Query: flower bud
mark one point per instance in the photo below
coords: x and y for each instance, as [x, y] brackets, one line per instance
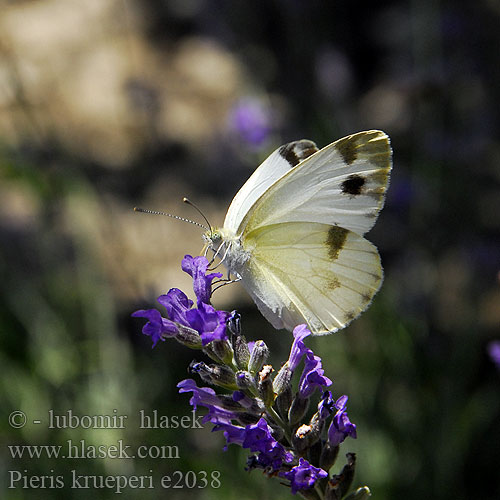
[258, 356]
[305, 437]
[251, 404]
[360, 494]
[223, 376]
[228, 403]
[339, 484]
[278, 433]
[314, 452]
[202, 369]
[214, 374]
[244, 381]
[233, 323]
[317, 422]
[283, 402]
[328, 456]
[282, 381]
[265, 385]
[188, 337]
[223, 350]
[241, 352]
[298, 409]
[246, 418]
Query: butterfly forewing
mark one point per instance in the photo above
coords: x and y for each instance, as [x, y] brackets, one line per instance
[273, 168]
[343, 184]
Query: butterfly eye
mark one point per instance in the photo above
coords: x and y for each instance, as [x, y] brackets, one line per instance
[216, 237]
[212, 238]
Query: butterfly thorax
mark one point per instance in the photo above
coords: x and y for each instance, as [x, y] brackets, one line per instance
[226, 244]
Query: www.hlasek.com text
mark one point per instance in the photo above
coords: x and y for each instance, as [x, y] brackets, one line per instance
[78, 449]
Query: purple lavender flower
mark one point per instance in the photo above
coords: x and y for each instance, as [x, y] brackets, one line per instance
[298, 348]
[303, 476]
[233, 433]
[259, 438]
[177, 305]
[494, 352]
[205, 319]
[313, 376]
[205, 396]
[341, 426]
[274, 458]
[157, 327]
[251, 120]
[256, 437]
[208, 322]
[326, 405]
[197, 267]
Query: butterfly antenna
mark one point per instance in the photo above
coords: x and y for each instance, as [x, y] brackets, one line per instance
[189, 202]
[155, 212]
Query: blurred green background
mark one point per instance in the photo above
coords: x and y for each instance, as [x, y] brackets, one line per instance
[108, 104]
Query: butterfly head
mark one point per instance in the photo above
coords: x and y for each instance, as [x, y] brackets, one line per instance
[213, 238]
[226, 246]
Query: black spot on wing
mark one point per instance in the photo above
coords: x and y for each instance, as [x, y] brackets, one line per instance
[297, 151]
[336, 240]
[347, 147]
[353, 184]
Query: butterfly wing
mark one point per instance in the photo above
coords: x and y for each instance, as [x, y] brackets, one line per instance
[301, 272]
[343, 184]
[274, 167]
[301, 254]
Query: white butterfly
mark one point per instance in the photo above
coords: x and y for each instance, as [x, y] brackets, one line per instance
[294, 232]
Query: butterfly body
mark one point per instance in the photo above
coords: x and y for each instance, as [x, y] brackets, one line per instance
[294, 231]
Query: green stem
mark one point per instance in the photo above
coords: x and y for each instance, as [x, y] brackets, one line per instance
[274, 415]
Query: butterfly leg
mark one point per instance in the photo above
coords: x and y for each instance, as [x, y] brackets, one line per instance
[216, 253]
[223, 282]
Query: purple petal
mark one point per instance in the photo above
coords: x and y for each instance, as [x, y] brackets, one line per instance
[177, 304]
[157, 327]
[303, 476]
[208, 322]
[298, 347]
[313, 376]
[341, 426]
[197, 267]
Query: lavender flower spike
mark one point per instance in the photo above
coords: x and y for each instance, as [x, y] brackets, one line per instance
[266, 411]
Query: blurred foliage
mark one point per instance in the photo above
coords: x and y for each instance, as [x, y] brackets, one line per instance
[106, 104]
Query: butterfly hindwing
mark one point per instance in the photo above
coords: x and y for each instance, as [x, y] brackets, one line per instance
[311, 273]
